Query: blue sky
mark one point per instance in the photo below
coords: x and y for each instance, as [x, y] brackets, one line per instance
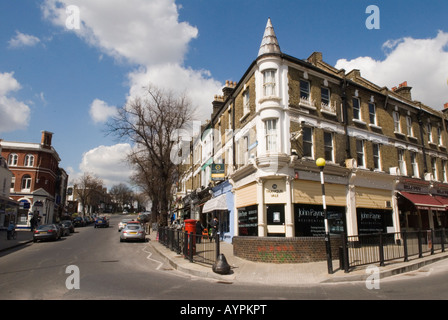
[68, 81]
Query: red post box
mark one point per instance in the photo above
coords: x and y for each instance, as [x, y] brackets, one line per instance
[190, 228]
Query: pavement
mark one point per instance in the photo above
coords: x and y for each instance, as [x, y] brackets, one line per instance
[245, 271]
[287, 274]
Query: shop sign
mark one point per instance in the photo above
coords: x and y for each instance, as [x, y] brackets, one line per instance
[275, 191]
[218, 172]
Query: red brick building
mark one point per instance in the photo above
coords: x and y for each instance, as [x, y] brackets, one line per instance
[37, 183]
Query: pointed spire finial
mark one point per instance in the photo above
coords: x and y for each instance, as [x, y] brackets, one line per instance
[269, 44]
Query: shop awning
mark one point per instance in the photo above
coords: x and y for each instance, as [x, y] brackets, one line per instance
[443, 200]
[218, 203]
[424, 201]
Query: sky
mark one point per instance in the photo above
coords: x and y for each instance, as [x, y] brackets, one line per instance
[67, 65]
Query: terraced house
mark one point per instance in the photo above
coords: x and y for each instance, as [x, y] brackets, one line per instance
[386, 154]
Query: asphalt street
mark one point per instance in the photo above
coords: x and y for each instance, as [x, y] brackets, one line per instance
[110, 270]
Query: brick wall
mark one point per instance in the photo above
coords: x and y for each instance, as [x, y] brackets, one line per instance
[284, 250]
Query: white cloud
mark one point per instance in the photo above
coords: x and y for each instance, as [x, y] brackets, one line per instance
[108, 163]
[147, 34]
[423, 63]
[197, 85]
[100, 111]
[141, 31]
[23, 40]
[14, 114]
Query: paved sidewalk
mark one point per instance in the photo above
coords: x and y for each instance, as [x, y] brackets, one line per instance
[290, 274]
[23, 237]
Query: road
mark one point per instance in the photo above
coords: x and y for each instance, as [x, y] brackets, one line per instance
[110, 270]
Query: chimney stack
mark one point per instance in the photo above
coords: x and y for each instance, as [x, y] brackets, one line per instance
[403, 90]
[46, 139]
[445, 106]
[228, 88]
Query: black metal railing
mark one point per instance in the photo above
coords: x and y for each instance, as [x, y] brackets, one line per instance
[381, 247]
[194, 247]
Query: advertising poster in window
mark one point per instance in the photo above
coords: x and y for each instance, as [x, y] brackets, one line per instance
[309, 220]
[248, 221]
[373, 220]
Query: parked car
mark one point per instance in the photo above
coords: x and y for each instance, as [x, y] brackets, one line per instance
[133, 231]
[69, 225]
[46, 232]
[122, 224]
[101, 223]
[63, 230]
[79, 222]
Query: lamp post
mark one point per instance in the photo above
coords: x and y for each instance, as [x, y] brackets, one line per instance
[321, 164]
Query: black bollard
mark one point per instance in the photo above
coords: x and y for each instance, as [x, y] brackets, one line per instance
[221, 266]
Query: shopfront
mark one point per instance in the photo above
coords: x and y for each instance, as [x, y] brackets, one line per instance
[308, 208]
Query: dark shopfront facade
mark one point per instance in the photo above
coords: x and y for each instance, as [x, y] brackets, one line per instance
[423, 205]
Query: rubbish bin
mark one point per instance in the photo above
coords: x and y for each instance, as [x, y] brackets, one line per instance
[190, 228]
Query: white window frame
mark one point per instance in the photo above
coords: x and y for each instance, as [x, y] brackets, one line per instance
[409, 128]
[360, 154]
[414, 165]
[26, 183]
[311, 143]
[29, 160]
[356, 116]
[444, 175]
[401, 162]
[372, 114]
[271, 134]
[246, 101]
[430, 136]
[377, 156]
[269, 82]
[397, 124]
[329, 146]
[322, 98]
[13, 160]
[434, 168]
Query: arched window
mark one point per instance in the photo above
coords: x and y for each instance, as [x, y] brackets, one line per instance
[13, 159]
[29, 160]
[26, 182]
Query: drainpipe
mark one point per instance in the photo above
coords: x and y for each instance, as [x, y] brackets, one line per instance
[345, 116]
[420, 123]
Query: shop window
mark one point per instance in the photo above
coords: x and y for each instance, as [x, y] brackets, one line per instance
[248, 221]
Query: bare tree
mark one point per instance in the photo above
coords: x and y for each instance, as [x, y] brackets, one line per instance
[151, 123]
[121, 194]
[88, 187]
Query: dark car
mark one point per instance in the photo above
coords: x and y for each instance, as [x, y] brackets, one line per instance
[101, 223]
[69, 225]
[46, 232]
[79, 222]
[64, 231]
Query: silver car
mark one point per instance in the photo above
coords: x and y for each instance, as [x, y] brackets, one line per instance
[133, 231]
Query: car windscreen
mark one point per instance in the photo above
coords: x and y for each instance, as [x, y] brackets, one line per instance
[136, 227]
[46, 227]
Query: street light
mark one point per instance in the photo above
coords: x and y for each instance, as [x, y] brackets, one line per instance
[321, 164]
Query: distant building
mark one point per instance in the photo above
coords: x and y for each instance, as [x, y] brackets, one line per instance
[8, 207]
[37, 182]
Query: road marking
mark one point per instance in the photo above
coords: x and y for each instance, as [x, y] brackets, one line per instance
[149, 258]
